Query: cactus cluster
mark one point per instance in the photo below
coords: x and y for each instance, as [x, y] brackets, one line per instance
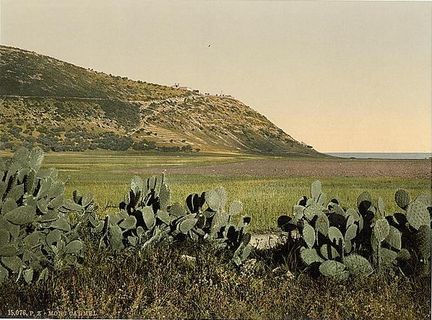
[143, 218]
[40, 229]
[214, 223]
[147, 216]
[413, 222]
[341, 242]
[36, 233]
[330, 236]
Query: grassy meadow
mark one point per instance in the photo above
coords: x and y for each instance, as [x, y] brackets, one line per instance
[107, 176]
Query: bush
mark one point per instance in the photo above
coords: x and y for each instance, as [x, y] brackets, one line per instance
[112, 141]
[143, 145]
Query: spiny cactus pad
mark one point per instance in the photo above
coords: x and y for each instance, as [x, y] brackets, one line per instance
[402, 198]
[309, 235]
[364, 197]
[424, 238]
[329, 252]
[358, 266]
[310, 256]
[394, 238]
[335, 235]
[351, 232]
[387, 258]
[418, 214]
[334, 269]
[322, 224]
[316, 189]
[381, 229]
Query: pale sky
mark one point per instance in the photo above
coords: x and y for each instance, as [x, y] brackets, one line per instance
[340, 76]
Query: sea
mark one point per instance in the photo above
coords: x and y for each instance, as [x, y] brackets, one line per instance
[382, 155]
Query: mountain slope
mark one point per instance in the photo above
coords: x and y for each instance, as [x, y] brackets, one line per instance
[61, 106]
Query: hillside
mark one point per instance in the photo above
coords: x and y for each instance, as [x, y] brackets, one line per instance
[63, 107]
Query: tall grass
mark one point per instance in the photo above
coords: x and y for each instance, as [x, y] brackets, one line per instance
[162, 285]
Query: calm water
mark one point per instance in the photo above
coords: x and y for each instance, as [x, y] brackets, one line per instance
[378, 155]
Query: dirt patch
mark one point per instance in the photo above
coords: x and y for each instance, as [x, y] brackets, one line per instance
[312, 168]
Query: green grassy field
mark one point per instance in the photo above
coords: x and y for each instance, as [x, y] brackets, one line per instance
[107, 175]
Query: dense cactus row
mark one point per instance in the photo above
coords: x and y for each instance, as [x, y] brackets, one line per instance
[36, 231]
[341, 242]
[40, 229]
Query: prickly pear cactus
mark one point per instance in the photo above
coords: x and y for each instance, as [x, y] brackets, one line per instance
[334, 269]
[143, 219]
[35, 233]
[82, 214]
[147, 217]
[414, 229]
[402, 198]
[329, 236]
[418, 215]
[364, 239]
[208, 220]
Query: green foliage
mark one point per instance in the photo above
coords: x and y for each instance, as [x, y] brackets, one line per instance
[125, 113]
[341, 242]
[36, 232]
[147, 217]
[143, 218]
[41, 230]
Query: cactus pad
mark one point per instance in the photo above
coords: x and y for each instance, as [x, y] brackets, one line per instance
[424, 238]
[164, 196]
[334, 234]
[418, 214]
[334, 269]
[328, 252]
[394, 238]
[316, 189]
[74, 247]
[403, 255]
[309, 235]
[358, 266]
[21, 215]
[310, 256]
[149, 218]
[351, 232]
[387, 258]
[381, 229]
[187, 224]
[128, 223]
[402, 198]
[322, 224]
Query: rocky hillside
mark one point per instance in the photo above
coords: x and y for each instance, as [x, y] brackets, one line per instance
[64, 107]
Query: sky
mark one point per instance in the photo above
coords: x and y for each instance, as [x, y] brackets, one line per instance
[340, 76]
